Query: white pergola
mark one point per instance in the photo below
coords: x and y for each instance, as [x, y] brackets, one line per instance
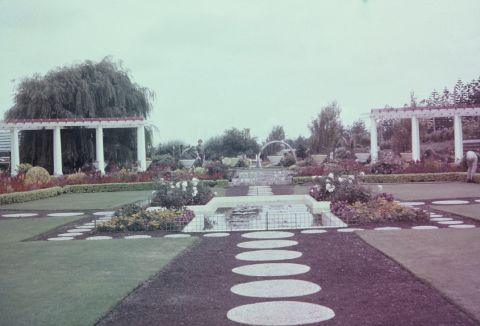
[415, 113]
[56, 125]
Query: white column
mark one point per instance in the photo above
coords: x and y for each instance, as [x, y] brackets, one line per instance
[458, 137]
[373, 141]
[99, 149]
[14, 152]
[57, 152]
[415, 140]
[141, 152]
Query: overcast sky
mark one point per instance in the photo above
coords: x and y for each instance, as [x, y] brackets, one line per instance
[217, 64]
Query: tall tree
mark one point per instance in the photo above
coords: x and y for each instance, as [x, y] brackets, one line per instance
[277, 133]
[86, 90]
[326, 129]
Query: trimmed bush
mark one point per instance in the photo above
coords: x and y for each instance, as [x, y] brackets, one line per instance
[37, 175]
[403, 178]
[20, 197]
[109, 187]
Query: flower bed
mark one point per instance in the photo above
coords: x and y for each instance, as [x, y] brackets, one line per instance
[135, 218]
[172, 194]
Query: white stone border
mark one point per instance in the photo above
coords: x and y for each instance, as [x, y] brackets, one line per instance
[329, 220]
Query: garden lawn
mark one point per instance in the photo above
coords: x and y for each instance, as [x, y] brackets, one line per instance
[71, 282]
[79, 201]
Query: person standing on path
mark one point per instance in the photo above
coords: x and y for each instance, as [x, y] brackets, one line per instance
[472, 161]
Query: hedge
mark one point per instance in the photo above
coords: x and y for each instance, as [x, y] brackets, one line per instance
[109, 187]
[404, 178]
[20, 197]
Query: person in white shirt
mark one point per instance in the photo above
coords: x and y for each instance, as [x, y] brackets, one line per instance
[472, 162]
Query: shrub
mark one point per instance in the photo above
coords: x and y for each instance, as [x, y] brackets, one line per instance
[287, 160]
[163, 162]
[37, 175]
[20, 197]
[181, 193]
[311, 170]
[23, 168]
[243, 163]
[109, 187]
[377, 210]
[76, 178]
[134, 218]
[338, 189]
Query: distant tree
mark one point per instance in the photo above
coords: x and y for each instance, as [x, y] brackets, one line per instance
[232, 143]
[173, 147]
[85, 90]
[358, 134]
[326, 129]
[277, 133]
[214, 148]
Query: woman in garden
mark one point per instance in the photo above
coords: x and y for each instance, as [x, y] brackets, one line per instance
[471, 158]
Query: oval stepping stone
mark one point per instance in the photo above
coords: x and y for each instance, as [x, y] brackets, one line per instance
[413, 203]
[104, 213]
[138, 236]
[60, 239]
[349, 230]
[477, 200]
[267, 244]
[216, 235]
[438, 219]
[65, 214]
[71, 234]
[450, 222]
[462, 226]
[271, 269]
[99, 237]
[313, 231]
[435, 215]
[89, 224]
[267, 255]
[80, 230]
[450, 202]
[85, 227]
[20, 215]
[177, 236]
[268, 235]
[425, 227]
[277, 313]
[276, 288]
[388, 228]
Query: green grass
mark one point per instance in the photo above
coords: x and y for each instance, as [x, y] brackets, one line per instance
[71, 282]
[79, 201]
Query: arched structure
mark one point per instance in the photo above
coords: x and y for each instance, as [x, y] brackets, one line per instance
[414, 113]
[281, 142]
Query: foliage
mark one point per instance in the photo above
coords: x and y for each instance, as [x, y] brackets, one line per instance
[311, 170]
[139, 219]
[326, 129]
[20, 197]
[109, 187]
[217, 170]
[172, 148]
[178, 194]
[163, 162]
[37, 175]
[85, 90]
[377, 209]
[23, 168]
[338, 189]
[287, 160]
[243, 163]
[277, 133]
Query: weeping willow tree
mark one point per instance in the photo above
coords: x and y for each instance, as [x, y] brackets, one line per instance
[86, 90]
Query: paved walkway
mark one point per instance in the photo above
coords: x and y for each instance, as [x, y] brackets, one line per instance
[328, 278]
[447, 259]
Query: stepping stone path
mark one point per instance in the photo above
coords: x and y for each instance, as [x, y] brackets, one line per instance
[177, 236]
[65, 214]
[439, 219]
[260, 191]
[138, 236]
[425, 227]
[277, 312]
[435, 215]
[216, 235]
[71, 234]
[413, 203]
[313, 231]
[99, 237]
[20, 215]
[267, 244]
[450, 222]
[462, 226]
[388, 228]
[450, 202]
[349, 230]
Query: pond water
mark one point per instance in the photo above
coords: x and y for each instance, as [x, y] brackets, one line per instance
[261, 217]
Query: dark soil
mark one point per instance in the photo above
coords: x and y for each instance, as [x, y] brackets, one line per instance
[359, 283]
